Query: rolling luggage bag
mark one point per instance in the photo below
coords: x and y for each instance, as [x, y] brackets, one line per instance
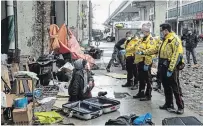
[189, 120]
[107, 105]
[82, 110]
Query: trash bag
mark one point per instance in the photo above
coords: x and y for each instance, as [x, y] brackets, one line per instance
[48, 117]
[122, 120]
[145, 119]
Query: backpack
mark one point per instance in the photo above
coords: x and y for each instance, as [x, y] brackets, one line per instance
[122, 120]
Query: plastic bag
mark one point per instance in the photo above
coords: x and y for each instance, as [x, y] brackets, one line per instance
[143, 119]
[68, 67]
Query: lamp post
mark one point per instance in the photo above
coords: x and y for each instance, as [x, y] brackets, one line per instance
[177, 17]
[110, 6]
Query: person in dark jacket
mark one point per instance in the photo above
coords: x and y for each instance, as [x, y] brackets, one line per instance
[117, 49]
[191, 44]
[82, 82]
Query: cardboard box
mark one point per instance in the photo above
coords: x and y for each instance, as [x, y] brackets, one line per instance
[9, 99]
[22, 115]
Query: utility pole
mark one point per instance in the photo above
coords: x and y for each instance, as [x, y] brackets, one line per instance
[16, 28]
[90, 23]
[177, 17]
[110, 6]
[154, 18]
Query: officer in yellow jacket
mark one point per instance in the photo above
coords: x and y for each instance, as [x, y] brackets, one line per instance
[129, 55]
[170, 55]
[144, 63]
[158, 76]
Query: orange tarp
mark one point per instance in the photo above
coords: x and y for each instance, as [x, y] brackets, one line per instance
[60, 44]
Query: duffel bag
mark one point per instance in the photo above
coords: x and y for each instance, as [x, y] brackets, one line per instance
[189, 120]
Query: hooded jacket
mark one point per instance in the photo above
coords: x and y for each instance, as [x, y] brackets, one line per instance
[79, 86]
[191, 40]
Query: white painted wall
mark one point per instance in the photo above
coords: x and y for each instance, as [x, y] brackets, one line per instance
[160, 12]
[26, 20]
[72, 13]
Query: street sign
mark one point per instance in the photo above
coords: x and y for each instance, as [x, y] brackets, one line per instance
[199, 15]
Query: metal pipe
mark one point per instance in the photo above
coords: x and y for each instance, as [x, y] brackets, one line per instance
[16, 28]
[177, 18]
[43, 32]
[90, 23]
[53, 12]
[10, 16]
[66, 9]
[110, 6]
[78, 18]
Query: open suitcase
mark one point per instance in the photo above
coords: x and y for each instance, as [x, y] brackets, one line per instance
[107, 105]
[189, 120]
[82, 110]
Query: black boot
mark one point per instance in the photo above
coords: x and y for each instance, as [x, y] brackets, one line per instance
[139, 95]
[166, 107]
[148, 95]
[123, 68]
[180, 111]
[128, 84]
[108, 69]
[134, 87]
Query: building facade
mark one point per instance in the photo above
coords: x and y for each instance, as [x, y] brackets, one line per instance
[33, 19]
[188, 14]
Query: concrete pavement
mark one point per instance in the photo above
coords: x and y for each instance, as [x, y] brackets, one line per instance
[128, 104]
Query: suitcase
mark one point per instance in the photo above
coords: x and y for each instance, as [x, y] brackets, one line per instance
[189, 120]
[82, 110]
[107, 105]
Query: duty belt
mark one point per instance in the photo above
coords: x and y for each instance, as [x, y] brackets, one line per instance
[164, 62]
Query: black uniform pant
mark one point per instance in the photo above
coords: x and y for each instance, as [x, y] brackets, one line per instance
[171, 86]
[159, 76]
[192, 51]
[145, 77]
[131, 70]
[116, 56]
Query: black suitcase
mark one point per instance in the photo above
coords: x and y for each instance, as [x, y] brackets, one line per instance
[189, 120]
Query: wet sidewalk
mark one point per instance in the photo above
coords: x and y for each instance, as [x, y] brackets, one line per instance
[128, 104]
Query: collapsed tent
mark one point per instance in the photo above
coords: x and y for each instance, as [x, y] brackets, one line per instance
[63, 41]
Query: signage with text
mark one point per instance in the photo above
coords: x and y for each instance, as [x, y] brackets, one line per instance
[199, 15]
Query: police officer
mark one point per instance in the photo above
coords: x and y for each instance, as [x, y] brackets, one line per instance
[144, 63]
[170, 55]
[158, 76]
[130, 67]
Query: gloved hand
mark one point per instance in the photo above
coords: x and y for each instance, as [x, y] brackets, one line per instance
[169, 73]
[140, 53]
[146, 67]
[123, 51]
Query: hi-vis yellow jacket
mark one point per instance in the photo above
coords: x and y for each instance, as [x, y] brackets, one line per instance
[170, 49]
[158, 43]
[130, 47]
[148, 43]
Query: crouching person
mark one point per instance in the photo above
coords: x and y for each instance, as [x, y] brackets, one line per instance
[82, 82]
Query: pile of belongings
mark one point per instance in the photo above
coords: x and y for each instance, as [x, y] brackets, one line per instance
[145, 119]
[60, 44]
